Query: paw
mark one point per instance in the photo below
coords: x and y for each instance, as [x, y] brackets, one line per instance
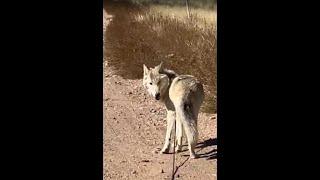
[164, 151]
[178, 149]
[193, 156]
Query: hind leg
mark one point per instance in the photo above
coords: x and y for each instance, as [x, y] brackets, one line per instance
[179, 132]
[190, 126]
[170, 123]
[192, 141]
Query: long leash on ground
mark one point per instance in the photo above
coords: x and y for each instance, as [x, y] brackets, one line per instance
[174, 151]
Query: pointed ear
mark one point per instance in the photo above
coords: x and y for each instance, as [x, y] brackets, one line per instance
[145, 70]
[159, 67]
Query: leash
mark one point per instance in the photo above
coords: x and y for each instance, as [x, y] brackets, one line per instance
[174, 151]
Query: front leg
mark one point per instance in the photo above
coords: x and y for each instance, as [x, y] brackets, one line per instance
[170, 123]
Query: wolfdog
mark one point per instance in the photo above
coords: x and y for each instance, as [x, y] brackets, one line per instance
[182, 96]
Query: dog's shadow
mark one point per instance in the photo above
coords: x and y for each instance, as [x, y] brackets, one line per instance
[212, 154]
[208, 155]
[208, 143]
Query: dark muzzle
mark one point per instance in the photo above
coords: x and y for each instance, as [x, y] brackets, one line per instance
[157, 96]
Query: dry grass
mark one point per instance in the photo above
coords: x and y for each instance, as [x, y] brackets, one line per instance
[148, 35]
[203, 4]
[205, 16]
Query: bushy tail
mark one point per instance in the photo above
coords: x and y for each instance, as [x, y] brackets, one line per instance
[189, 123]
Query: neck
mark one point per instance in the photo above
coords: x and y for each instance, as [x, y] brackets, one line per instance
[166, 99]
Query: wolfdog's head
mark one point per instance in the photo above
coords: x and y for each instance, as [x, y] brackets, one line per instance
[156, 84]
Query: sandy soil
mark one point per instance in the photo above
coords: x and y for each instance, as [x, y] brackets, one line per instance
[134, 131]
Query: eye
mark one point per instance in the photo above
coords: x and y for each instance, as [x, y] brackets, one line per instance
[150, 83]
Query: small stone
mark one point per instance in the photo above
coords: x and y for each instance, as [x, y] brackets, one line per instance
[162, 171]
[170, 55]
[134, 172]
[145, 160]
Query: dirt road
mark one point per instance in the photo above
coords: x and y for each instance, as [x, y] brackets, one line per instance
[134, 131]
